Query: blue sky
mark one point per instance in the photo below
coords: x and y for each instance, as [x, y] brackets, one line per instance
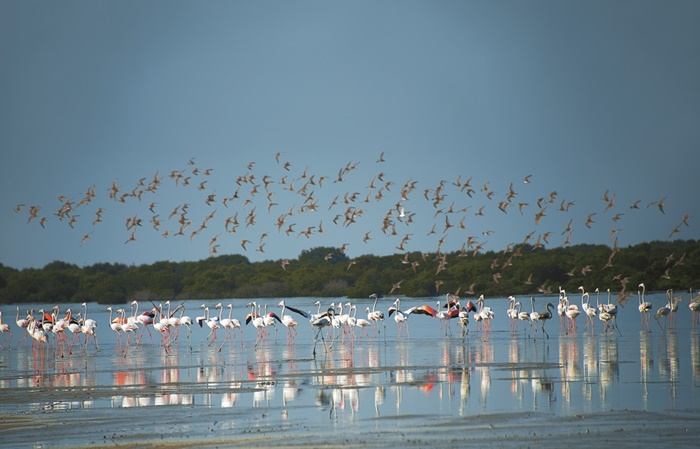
[587, 97]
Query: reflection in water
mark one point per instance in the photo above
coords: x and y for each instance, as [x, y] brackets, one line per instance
[646, 363]
[379, 397]
[609, 365]
[668, 365]
[570, 369]
[695, 357]
[542, 383]
[590, 367]
[519, 376]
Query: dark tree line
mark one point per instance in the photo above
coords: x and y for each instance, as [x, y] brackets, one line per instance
[327, 272]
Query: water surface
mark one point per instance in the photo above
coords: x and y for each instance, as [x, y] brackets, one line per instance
[384, 386]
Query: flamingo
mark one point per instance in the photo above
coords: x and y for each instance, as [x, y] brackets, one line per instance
[610, 309]
[168, 319]
[644, 306]
[129, 326]
[257, 320]
[375, 315]
[269, 319]
[664, 311]
[442, 315]
[38, 334]
[694, 306]
[4, 328]
[230, 323]
[572, 312]
[289, 323]
[512, 313]
[342, 317]
[400, 318]
[22, 323]
[522, 316]
[59, 328]
[321, 322]
[360, 322]
[561, 306]
[75, 327]
[546, 315]
[46, 321]
[161, 326]
[116, 326]
[587, 309]
[318, 313]
[212, 322]
[144, 319]
[534, 316]
[186, 321]
[674, 308]
[452, 311]
[484, 315]
[88, 328]
[464, 317]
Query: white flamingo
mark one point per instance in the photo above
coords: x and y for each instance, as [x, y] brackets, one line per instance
[88, 328]
[664, 311]
[116, 326]
[644, 306]
[289, 322]
[400, 317]
[590, 312]
[4, 328]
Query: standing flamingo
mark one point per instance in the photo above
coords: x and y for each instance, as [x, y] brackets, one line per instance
[22, 323]
[561, 306]
[400, 318]
[464, 317]
[674, 309]
[522, 316]
[88, 328]
[572, 312]
[4, 328]
[587, 309]
[664, 311]
[546, 315]
[644, 306]
[211, 322]
[145, 319]
[38, 334]
[512, 313]
[321, 322]
[694, 307]
[228, 324]
[534, 316]
[129, 325]
[258, 321]
[116, 326]
[375, 315]
[360, 322]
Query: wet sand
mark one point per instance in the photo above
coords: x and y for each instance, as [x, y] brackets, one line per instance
[118, 429]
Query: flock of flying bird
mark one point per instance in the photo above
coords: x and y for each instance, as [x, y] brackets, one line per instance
[340, 316]
[306, 205]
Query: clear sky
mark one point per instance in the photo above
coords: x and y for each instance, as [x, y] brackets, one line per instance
[587, 97]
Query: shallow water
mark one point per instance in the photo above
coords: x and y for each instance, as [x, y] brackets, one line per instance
[252, 394]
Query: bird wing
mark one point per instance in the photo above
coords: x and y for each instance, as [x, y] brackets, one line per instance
[421, 310]
[300, 312]
[274, 315]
